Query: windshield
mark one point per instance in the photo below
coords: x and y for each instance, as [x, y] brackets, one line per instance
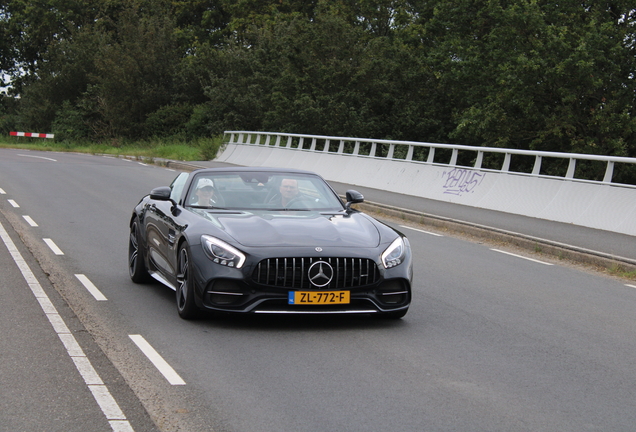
[262, 191]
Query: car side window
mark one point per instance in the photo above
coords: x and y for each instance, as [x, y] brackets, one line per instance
[177, 186]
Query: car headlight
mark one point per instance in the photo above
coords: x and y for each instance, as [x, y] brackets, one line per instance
[394, 254]
[221, 252]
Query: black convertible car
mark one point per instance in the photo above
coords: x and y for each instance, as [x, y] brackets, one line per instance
[264, 240]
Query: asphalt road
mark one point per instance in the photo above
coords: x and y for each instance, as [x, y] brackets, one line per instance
[493, 342]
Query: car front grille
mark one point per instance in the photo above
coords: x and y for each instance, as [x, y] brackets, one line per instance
[294, 273]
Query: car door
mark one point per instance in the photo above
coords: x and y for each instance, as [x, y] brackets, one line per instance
[162, 228]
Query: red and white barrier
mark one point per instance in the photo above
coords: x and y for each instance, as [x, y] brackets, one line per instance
[32, 134]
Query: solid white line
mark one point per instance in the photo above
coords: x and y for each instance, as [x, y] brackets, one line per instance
[520, 256]
[106, 402]
[13, 203]
[166, 370]
[91, 288]
[102, 396]
[631, 286]
[58, 323]
[30, 221]
[38, 157]
[71, 345]
[422, 231]
[88, 372]
[56, 250]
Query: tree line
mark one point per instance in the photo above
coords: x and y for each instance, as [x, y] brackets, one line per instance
[527, 74]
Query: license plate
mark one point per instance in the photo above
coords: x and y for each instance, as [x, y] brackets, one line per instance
[319, 297]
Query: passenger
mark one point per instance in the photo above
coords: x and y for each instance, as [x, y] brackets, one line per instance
[206, 194]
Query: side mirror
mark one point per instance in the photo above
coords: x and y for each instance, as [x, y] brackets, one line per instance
[161, 193]
[353, 197]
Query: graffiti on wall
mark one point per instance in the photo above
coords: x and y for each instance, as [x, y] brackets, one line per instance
[462, 181]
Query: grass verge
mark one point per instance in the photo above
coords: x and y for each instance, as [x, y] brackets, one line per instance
[199, 149]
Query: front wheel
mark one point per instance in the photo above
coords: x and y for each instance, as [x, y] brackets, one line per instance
[136, 265]
[185, 287]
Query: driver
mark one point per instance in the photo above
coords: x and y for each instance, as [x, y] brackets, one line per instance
[288, 191]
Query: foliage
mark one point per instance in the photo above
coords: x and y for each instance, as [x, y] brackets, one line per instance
[529, 74]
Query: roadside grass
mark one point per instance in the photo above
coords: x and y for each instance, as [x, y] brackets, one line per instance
[199, 149]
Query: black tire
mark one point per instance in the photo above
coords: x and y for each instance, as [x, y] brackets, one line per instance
[185, 287]
[136, 264]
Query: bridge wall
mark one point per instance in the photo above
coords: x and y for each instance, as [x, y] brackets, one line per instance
[601, 206]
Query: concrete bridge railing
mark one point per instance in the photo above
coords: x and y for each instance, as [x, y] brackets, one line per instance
[547, 185]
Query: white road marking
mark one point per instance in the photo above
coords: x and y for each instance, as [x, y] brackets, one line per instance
[2, 192]
[631, 286]
[166, 370]
[422, 231]
[38, 157]
[521, 256]
[116, 418]
[106, 402]
[13, 203]
[143, 164]
[88, 372]
[30, 221]
[56, 250]
[120, 426]
[91, 288]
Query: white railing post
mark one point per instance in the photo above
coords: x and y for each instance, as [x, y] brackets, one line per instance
[391, 150]
[409, 153]
[341, 147]
[506, 164]
[453, 161]
[536, 169]
[431, 155]
[326, 148]
[571, 169]
[609, 172]
[480, 160]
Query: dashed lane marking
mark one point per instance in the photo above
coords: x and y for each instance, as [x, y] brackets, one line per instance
[91, 288]
[51, 244]
[166, 370]
[29, 220]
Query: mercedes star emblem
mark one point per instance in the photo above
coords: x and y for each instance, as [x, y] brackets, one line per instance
[320, 273]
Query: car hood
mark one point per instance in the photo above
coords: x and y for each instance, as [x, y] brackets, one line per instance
[299, 229]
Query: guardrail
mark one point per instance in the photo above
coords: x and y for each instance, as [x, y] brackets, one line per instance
[569, 166]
